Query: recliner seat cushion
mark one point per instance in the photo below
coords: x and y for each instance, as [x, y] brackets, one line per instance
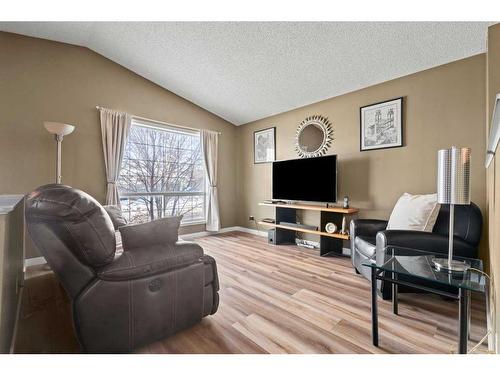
[365, 245]
[138, 264]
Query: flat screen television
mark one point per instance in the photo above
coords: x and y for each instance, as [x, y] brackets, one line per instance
[309, 179]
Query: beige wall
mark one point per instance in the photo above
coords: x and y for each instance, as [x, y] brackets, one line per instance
[43, 80]
[493, 172]
[443, 106]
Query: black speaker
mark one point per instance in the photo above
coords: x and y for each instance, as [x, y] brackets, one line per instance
[271, 236]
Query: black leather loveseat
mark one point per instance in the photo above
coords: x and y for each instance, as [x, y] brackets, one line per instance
[369, 236]
[155, 288]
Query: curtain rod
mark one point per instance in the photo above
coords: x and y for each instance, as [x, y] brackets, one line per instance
[158, 122]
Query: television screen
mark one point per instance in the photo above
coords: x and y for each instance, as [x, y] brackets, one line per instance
[310, 179]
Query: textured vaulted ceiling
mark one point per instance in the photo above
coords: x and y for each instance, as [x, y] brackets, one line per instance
[246, 71]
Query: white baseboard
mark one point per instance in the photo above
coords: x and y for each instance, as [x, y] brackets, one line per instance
[189, 236]
[34, 261]
[261, 233]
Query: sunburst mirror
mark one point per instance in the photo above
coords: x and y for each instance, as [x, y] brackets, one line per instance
[313, 137]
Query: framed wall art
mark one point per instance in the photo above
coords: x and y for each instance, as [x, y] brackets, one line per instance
[264, 145]
[381, 125]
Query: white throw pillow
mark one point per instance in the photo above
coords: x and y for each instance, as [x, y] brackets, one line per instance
[415, 212]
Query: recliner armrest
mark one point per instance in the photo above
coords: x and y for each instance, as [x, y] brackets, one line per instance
[155, 232]
[151, 260]
[425, 241]
[367, 227]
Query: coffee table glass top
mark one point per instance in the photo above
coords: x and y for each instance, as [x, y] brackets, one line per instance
[416, 263]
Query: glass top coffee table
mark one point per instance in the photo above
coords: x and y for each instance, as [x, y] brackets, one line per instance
[414, 268]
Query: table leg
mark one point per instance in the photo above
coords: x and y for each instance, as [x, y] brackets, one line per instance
[463, 317]
[374, 308]
[395, 295]
[491, 336]
[469, 309]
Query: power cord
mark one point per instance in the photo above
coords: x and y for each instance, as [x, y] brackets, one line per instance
[256, 223]
[491, 313]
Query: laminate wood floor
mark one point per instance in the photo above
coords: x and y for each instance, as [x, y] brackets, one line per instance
[273, 299]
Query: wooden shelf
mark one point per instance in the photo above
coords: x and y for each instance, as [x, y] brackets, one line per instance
[304, 230]
[330, 244]
[339, 210]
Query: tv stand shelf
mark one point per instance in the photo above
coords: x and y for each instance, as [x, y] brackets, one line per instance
[331, 244]
[298, 229]
[312, 207]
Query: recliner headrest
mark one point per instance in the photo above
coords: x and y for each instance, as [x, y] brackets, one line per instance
[77, 218]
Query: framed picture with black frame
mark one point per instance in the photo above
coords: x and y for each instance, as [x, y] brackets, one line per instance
[381, 125]
[264, 147]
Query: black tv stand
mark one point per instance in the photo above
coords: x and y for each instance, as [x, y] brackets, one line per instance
[331, 244]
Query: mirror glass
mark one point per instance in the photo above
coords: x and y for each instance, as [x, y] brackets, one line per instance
[311, 138]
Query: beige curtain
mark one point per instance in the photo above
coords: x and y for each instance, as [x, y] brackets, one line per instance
[115, 127]
[210, 146]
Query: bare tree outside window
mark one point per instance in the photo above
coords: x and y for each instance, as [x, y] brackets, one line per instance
[162, 175]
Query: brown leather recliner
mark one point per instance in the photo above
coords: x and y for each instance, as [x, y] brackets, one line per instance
[155, 288]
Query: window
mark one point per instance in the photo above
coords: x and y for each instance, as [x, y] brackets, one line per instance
[162, 174]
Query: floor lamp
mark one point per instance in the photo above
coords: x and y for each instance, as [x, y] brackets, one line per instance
[59, 130]
[453, 187]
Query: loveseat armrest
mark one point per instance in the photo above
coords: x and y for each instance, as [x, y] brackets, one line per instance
[424, 241]
[366, 227]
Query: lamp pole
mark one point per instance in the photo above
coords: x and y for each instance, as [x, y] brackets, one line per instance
[59, 130]
[59, 139]
[450, 236]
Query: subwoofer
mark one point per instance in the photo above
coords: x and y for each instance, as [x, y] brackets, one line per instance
[271, 236]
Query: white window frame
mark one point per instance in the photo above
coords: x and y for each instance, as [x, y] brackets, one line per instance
[172, 128]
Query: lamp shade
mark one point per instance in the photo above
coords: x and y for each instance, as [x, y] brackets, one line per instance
[58, 128]
[453, 182]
